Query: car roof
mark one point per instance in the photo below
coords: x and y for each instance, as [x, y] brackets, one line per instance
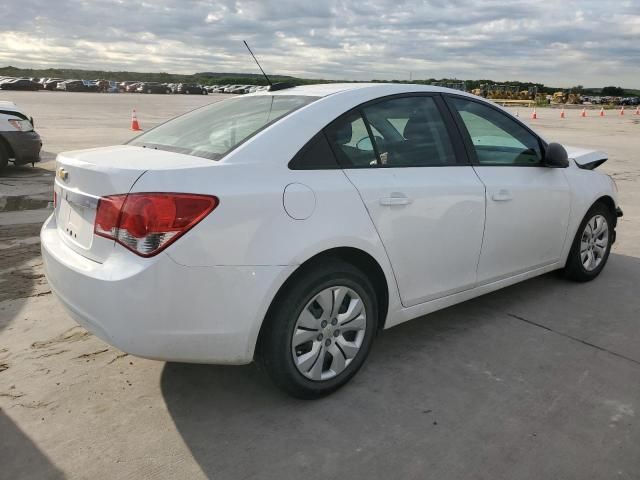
[326, 89]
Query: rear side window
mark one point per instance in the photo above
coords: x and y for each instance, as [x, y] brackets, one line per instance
[496, 138]
[213, 131]
[410, 133]
[398, 132]
[351, 142]
[315, 155]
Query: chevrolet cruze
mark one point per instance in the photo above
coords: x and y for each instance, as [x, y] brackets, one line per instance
[291, 225]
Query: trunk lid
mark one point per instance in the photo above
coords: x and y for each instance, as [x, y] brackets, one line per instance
[83, 176]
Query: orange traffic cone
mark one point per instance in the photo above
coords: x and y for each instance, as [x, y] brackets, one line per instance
[638, 110]
[534, 115]
[562, 113]
[602, 111]
[622, 110]
[135, 126]
[584, 112]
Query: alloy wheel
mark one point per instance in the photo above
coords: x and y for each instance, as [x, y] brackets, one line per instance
[594, 242]
[329, 333]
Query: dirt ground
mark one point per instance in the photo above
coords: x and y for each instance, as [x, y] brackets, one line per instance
[540, 380]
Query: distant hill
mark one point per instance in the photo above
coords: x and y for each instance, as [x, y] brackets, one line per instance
[205, 78]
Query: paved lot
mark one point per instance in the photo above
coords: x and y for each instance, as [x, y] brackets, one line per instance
[538, 381]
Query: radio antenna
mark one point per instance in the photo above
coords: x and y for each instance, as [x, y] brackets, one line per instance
[258, 63]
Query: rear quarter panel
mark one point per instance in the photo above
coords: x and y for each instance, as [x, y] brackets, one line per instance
[250, 226]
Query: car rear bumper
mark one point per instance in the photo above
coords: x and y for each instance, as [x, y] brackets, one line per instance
[156, 308]
[25, 145]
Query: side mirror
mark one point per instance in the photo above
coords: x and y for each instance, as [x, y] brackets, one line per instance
[555, 156]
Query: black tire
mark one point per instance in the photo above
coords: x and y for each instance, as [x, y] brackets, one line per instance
[4, 156]
[574, 268]
[274, 352]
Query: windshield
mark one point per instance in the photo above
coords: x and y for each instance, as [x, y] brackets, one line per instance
[213, 131]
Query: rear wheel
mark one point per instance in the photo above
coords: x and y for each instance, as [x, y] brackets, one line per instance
[320, 332]
[591, 245]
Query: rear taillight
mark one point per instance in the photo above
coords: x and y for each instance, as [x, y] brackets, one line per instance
[147, 223]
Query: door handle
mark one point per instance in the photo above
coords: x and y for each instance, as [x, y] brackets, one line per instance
[503, 195]
[396, 198]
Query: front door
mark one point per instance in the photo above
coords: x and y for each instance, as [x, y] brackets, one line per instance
[528, 204]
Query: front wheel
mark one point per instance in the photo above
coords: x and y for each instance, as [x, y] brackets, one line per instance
[591, 245]
[320, 331]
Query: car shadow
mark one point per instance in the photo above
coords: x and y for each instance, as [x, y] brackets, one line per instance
[19, 258]
[237, 425]
[20, 458]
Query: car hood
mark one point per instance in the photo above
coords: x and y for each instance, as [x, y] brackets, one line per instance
[587, 159]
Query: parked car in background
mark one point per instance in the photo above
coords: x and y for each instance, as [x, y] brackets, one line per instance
[19, 142]
[102, 85]
[122, 86]
[91, 85]
[152, 87]
[132, 87]
[230, 88]
[51, 83]
[19, 84]
[190, 88]
[291, 226]
[630, 101]
[77, 86]
[113, 87]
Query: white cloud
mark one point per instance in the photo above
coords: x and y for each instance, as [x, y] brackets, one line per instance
[584, 42]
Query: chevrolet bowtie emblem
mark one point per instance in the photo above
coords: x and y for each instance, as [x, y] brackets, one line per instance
[62, 174]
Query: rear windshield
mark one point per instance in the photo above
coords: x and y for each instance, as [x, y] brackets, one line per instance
[213, 131]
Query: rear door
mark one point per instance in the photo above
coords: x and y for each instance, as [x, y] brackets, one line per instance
[425, 200]
[527, 203]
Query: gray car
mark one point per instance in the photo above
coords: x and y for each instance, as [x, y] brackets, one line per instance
[19, 142]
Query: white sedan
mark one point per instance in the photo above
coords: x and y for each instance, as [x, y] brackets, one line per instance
[291, 225]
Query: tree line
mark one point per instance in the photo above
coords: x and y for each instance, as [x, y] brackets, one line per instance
[218, 78]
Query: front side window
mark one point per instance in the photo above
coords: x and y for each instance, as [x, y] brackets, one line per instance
[213, 131]
[497, 139]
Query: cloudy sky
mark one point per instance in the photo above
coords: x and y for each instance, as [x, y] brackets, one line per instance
[561, 43]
